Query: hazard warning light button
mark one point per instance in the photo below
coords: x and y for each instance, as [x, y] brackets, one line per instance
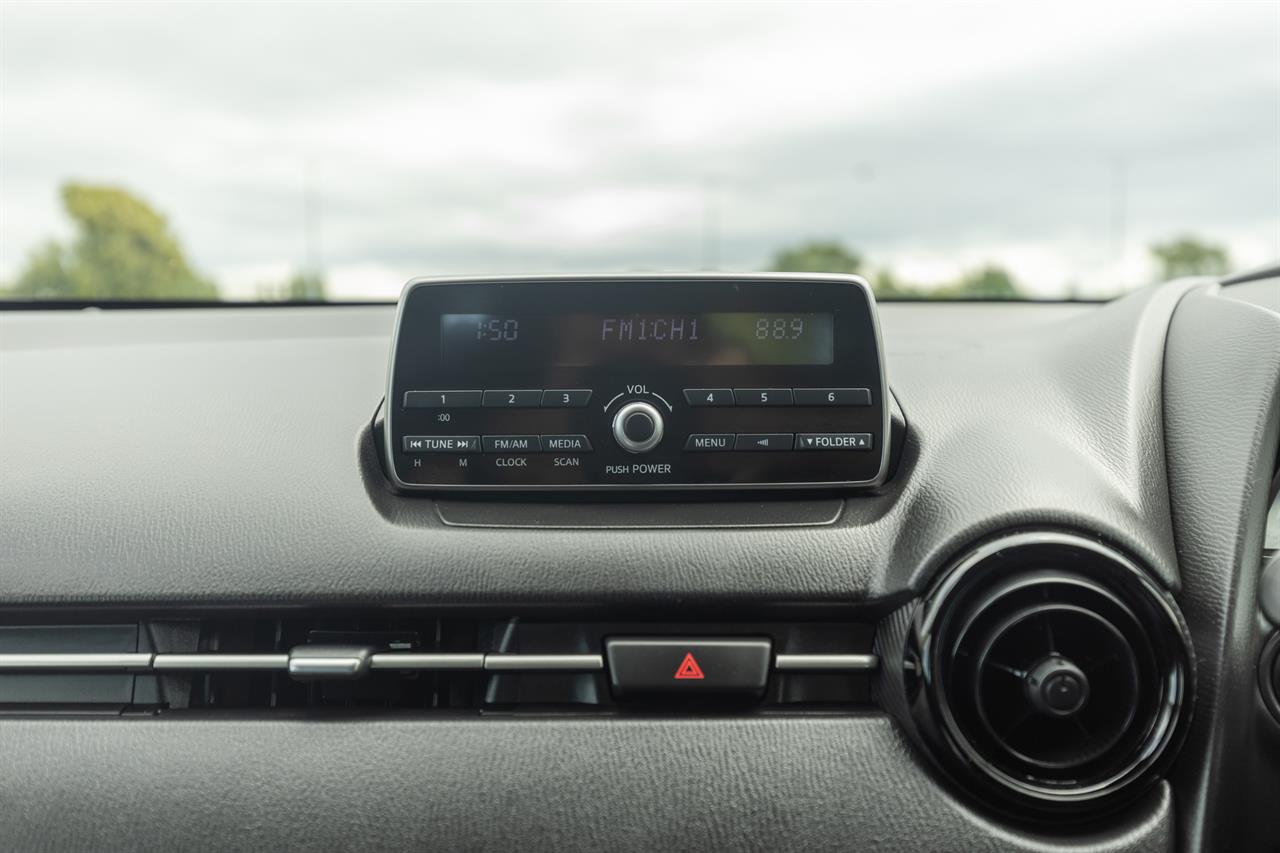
[645, 665]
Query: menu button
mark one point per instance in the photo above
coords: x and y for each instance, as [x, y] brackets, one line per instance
[710, 441]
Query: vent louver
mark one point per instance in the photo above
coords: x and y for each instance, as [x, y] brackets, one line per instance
[1053, 669]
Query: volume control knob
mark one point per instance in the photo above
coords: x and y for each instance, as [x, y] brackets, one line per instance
[637, 427]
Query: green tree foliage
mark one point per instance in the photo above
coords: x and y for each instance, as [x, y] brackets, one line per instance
[1187, 256]
[989, 282]
[818, 256]
[301, 287]
[123, 249]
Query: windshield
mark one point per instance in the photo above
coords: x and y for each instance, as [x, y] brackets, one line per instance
[287, 151]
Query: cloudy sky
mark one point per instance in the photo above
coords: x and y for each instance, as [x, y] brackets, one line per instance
[1056, 139]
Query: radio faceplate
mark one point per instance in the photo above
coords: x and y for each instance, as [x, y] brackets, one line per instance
[627, 382]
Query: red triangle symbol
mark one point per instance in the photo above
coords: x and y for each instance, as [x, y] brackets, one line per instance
[689, 668]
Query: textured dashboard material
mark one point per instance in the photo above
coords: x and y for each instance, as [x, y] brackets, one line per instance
[189, 457]
[581, 784]
[1222, 410]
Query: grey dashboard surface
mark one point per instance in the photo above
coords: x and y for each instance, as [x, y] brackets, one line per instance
[215, 457]
[711, 784]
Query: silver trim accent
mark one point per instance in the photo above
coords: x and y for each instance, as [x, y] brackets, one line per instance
[215, 661]
[619, 426]
[322, 661]
[388, 410]
[542, 663]
[826, 663]
[415, 660]
[108, 660]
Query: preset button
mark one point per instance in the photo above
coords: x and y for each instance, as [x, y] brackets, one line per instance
[708, 396]
[833, 396]
[442, 399]
[762, 396]
[565, 398]
[512, 399]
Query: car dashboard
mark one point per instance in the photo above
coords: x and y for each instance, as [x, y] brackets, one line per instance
[257, 590]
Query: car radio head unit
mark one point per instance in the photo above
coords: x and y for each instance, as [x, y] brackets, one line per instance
[628, 382]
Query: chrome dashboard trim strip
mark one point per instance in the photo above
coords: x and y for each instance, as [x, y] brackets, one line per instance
[826, 663]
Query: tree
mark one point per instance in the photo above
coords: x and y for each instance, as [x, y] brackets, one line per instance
[989, 282]
[123, 249]
[301, 287]
[817, 256]
[1187, 256]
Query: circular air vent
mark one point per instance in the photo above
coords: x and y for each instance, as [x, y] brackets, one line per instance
[1054, 669]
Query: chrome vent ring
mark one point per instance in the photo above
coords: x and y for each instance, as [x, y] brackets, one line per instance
[1053, 669]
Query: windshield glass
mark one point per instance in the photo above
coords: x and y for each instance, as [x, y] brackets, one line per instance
[288, 151]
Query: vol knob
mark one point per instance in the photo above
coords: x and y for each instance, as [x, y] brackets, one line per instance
[637, 427]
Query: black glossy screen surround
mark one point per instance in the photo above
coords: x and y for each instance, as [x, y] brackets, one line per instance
[418, 364]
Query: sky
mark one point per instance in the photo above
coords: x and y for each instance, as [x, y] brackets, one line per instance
[380, 141]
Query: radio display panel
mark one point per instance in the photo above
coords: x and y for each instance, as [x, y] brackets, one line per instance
[636, 382]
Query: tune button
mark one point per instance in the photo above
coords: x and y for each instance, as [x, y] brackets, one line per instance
[441, 443]
[637, 427]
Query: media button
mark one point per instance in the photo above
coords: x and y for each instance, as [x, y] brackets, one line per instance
[762, 396]
[763, 441]
[833, 396]
[565, 444]
[708, 396]
[441, 443]
[442, 399]
[512, 399]
[710, 441]
[512, 444]
[834, 441]
[566, 398]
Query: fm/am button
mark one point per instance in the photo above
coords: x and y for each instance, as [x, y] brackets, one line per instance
[512, 444]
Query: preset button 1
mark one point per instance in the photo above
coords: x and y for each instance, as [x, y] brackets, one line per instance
[442, 399]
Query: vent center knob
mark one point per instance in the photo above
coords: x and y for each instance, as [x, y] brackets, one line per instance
[1057, 687]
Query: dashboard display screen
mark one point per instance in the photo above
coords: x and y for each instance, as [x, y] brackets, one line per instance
[714, 339]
